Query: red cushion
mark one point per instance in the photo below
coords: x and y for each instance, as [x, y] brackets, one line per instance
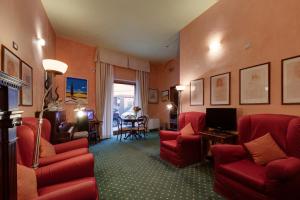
[246, 172]
[170, 144]
[52, 188]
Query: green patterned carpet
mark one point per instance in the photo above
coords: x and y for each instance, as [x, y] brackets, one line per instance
[133, 170]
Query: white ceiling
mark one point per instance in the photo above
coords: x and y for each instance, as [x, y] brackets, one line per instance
[147, 29]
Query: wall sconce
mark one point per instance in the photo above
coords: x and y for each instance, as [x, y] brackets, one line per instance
[215, 46]
[41, 42]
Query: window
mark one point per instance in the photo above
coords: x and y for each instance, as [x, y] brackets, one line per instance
[123, 100]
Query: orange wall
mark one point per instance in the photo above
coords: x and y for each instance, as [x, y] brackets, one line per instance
[24, 22]
[162, 77]
[80, 59]
[272, 29]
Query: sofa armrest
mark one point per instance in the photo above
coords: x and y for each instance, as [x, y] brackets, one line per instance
[283, 169]
[188, 139]
[62, 156]
[86, 190]
[226, 153]
[168, 135]
[68, 146]
[70, 169]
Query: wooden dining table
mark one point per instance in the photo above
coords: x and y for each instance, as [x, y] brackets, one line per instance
[133, 122]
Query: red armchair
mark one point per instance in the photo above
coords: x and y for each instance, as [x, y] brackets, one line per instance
[64, 150]
[238, 177]
[183, 150]
[72, 178]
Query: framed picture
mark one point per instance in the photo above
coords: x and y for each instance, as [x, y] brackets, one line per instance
[290, 80]
[197, 92]
[255, 84]
[76, 89]
[153, 96]
[220, 89]
[26, 93]
[10, 63]
[165, 95]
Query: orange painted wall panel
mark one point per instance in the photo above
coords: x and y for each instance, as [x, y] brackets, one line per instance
[269, 28]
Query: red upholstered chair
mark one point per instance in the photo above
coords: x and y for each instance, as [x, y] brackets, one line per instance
[64, 150]
[68, 179]
[238, 177]
[182, 150]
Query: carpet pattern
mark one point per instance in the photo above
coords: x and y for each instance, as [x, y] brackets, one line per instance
[133, 170]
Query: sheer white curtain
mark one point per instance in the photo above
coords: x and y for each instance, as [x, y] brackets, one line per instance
[104, 95]
[141, 91]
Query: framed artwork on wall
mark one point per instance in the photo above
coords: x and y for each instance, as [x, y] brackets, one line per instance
[153, 96]
[197, 92]
[255, 84]
[76, 89]
[165, 95]
[220, 89]
[26, 93]
[10, 63]
[290, 81]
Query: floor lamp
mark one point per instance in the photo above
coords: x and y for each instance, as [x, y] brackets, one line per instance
[53, 68]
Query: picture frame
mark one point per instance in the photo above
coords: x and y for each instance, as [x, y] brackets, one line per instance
[197, 92]
[220, 89]
[153, 96]
[76, 89]
[255, 84]
[26, 93]
[165, 95]
[290, 80]
[10, 63]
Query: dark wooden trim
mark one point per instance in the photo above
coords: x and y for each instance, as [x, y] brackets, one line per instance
[203, 80]
[125, 82]
[21, 91]
[269, 84]
[157, 96]
[282, 77]
[229, 103]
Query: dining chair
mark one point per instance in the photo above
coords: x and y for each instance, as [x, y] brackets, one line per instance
[121, 128]
[142, 125]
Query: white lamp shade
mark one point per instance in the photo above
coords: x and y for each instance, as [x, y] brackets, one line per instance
[180, 87]
[55, 65]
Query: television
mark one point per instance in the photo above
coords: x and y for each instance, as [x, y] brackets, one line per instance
[90, 115]
[222, 119]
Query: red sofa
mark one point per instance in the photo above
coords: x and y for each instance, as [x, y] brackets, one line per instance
[64, 150]
[238, 177]
[68, 179]
[183, 150]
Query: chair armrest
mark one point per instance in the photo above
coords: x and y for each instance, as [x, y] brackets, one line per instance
[62, 156]
[68, 146]
[70, 169]
[226, 153]
[188, 139]
[168, 135]
[86, 190]
[283, 169]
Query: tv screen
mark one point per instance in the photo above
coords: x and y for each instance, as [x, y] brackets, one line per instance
[221, 118]
[90, 114]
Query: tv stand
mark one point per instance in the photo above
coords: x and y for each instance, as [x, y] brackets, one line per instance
[219, 136]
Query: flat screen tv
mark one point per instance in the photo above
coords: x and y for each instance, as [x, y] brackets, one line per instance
[223, 119]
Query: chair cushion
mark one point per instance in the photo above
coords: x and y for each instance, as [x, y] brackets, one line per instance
[81, 134]
[246, 172]
[46, 149]
[26, 183]
[187, 130]
[170, 144]
[264, 150]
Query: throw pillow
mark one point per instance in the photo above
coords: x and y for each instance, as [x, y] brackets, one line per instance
[264, 150]
[26, 183]
[46, 149]
[187, 130]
